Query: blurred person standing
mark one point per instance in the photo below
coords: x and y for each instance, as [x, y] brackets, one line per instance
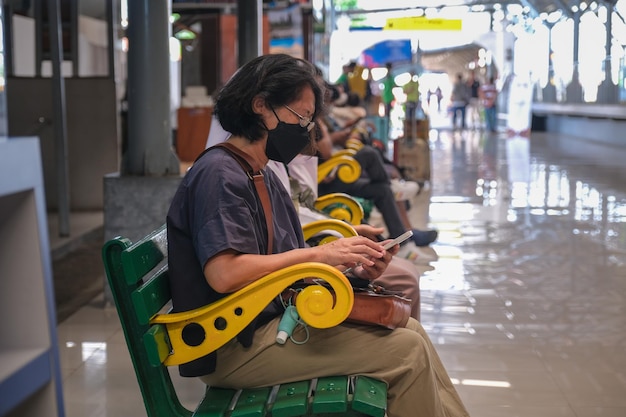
[357, 81]
[386, 93]
[439, 95]
[412, 91]
[474, 102]
[488, 94]
[458, 101]
[343, 78]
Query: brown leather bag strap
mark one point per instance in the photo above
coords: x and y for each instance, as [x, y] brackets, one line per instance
[264, 196]
[256, 175]
[245, 160]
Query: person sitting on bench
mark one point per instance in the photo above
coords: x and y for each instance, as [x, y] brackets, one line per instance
[218, 243]
[388, 194]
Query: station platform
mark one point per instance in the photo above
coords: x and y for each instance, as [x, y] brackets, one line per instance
[525, 304]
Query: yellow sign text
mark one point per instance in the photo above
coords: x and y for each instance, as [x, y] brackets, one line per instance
[422, 23]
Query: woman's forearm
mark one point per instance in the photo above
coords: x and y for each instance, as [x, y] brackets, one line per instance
[229, 271]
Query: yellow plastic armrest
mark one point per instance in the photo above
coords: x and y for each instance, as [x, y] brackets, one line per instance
[328, 225]
[354, 144]
[348, 168]
[344, 152]
[342, 207]
[198, 332]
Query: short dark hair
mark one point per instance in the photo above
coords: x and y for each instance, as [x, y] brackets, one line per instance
[353, 99]
[277, 78]
[333, 91]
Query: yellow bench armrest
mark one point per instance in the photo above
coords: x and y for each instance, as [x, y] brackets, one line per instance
[348, 168]
[196, 333]
[344, 152]
[354, 144]
[341, 207]
[344, 229]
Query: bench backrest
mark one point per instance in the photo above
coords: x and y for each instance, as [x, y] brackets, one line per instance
[137, 275]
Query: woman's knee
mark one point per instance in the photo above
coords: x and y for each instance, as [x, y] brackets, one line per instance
[409, 344]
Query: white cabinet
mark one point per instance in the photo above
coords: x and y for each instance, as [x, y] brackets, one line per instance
[30, 381]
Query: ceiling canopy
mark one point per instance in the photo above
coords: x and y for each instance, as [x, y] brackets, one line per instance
[450, 60]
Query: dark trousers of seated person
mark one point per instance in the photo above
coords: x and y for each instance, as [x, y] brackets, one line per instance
[372, 164]
[373, 185]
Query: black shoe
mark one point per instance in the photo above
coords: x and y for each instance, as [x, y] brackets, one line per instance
[424, 237]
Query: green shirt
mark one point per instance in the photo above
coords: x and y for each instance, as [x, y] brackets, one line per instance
[386, 93]
[412, 91]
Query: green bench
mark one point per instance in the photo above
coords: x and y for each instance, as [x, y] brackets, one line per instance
[137, 274]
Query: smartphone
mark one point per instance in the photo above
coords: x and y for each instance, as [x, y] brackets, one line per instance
[404, 236]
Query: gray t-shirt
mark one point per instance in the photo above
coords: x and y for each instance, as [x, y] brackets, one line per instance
[216, 208]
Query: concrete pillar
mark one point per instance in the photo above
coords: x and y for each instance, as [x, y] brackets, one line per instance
[607, 91]
[549, 91]
[249, 29]
[136, 201]
[149, 128]
[574, 90]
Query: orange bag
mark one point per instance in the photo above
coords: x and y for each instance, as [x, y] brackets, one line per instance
[377, 306]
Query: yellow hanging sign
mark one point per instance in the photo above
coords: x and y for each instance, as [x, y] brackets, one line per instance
[422, 23]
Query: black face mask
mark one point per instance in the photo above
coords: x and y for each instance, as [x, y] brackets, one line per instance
[286, 141]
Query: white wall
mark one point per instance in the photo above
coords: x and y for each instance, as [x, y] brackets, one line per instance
[23, 46]
[92, 49]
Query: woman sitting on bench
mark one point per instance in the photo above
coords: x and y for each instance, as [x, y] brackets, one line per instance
[218, 243]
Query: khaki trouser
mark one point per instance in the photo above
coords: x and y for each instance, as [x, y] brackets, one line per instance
[419, 385]
[402, 275]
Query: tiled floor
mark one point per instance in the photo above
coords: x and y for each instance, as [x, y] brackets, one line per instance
[527, 303]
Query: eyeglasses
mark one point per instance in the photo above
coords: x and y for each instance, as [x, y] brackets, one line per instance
[304, 121]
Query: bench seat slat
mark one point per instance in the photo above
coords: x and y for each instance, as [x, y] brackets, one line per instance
[291, 399]
[331, 395]
[370, 396]
[252, 402]
[215, 403]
